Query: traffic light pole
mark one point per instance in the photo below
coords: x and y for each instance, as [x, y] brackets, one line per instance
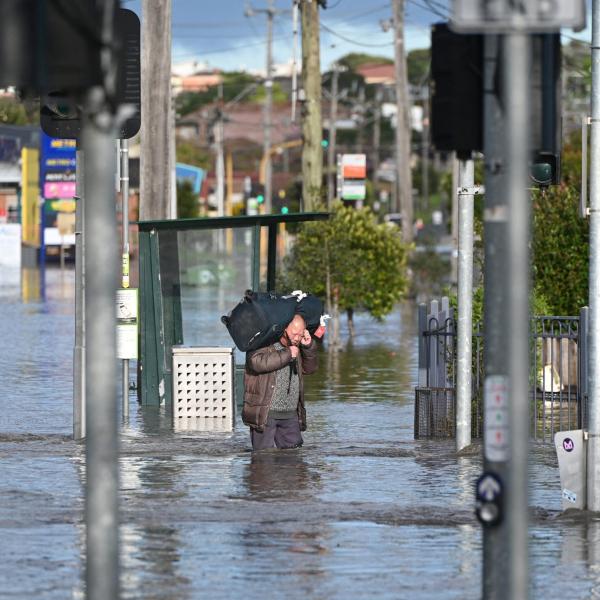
[124, 157]
[495, 536]
[101, 270]
[466, 195]
[593, 455]
[502, 489]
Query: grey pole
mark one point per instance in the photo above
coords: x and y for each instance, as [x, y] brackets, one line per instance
[79, 350]
[593, 458]
[454, 233]
[101, 510]
[516, 101]
[269, 110]
[465, 303]
[331, 150]
[125, 280]
[495, 538]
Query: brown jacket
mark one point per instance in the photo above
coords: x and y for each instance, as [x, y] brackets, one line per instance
[259, 381]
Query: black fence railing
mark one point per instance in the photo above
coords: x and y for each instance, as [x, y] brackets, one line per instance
[558, 374]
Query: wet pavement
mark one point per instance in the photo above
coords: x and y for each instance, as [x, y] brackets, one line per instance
[361, 511]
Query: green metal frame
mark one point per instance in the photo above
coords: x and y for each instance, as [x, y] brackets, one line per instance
[161, 324]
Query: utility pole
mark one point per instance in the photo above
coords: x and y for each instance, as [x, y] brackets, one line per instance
[593, 460]
[157, 135]
[425, 150]
[404, 200]
[331, 149]
[220, 160]
[271, 13]
[312, 151]
[376, 136]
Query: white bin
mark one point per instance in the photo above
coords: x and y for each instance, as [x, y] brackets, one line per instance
[203, 388]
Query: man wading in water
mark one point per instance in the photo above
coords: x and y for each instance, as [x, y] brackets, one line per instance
[274, 388]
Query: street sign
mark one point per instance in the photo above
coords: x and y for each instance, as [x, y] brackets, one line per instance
[489, 499]
[57, 167]
[571, 450]
[506, 16]
[351, 175]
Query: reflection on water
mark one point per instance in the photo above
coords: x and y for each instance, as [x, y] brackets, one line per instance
[361, 511]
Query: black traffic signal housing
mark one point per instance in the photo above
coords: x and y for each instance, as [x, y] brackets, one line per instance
[60, 111]
[456, 90]
[50, 44]
[546, 109]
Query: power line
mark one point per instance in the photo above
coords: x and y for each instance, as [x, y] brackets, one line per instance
[351, 41]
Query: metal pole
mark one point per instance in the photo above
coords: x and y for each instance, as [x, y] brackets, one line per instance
[331, 160]
[495, 538]
[516, 101]
[465, 303]
[593, 462]
[79, 350]
[102, 468]
[425, 153]
[220, 167]
[125, 279]
[454, 233]
[269, 111]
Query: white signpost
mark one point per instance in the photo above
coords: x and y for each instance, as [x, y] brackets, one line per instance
[509, 16]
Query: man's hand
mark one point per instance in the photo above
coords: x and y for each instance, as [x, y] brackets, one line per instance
[294, 350]
[306, 339]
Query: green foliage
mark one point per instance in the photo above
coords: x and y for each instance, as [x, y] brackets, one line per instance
[417, 65]
[260, 93]
[366, 261]
[354, 60]
[190, 154]
[187, 201]
[560, 250]
[14, 112]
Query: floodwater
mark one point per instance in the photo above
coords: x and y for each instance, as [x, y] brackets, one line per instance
[362, 511]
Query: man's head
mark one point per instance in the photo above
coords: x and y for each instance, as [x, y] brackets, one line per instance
[294, 331]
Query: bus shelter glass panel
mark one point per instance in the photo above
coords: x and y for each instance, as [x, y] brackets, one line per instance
[215, 268]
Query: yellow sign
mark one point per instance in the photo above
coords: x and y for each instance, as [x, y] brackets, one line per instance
[67, 206]
[30, 190]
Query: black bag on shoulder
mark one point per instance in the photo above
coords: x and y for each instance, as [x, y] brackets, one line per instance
[259, 319]
[311, 308]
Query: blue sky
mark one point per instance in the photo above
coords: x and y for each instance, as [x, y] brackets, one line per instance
[217, 32]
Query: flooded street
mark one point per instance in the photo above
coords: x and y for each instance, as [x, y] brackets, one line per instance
[362, 511]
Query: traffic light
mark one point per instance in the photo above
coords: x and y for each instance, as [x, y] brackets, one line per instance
[324, 143]
[61, 110]
[456, 90]
[50, 45]
[257, 190]
[546, 109]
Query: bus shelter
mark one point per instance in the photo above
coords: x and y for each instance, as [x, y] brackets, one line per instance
[193, 271]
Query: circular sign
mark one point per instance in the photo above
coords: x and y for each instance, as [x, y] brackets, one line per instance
[568, 445]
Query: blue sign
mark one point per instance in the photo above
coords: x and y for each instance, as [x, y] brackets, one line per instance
[57, 167]
[194, 175]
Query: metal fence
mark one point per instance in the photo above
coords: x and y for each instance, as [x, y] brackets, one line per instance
[558, 374]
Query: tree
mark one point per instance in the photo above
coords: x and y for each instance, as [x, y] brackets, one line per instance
[15, 112]
[350, 261]
[187, 201]
[560, 250]
[190, 154]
